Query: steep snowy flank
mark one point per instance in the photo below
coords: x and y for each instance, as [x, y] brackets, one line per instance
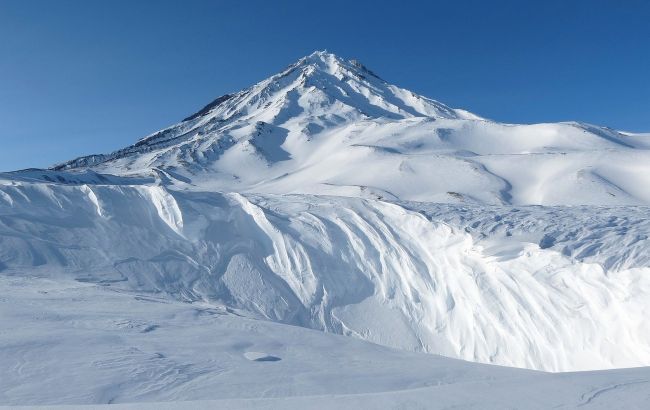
[513, 292]
[320, 87]
[326, 125]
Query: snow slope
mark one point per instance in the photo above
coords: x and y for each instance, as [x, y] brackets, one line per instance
[515, 291]
[66, 342]
[326, 125]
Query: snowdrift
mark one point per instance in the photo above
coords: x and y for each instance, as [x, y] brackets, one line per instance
[495, 286]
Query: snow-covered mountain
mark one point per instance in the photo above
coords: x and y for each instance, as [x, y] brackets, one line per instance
[326, 125]
[326, 198]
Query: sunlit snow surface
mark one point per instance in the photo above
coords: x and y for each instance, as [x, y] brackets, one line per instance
[545, 288]
[330, 126]
[69, 342]
[224, 257]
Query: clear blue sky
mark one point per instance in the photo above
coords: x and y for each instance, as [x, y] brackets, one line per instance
[81, 77]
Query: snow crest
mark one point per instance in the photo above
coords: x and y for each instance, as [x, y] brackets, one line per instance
[385, 272]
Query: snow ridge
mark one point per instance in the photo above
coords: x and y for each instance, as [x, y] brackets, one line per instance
[399, 274]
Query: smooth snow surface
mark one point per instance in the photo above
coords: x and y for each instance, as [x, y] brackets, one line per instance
[197, 263]
[66, 342]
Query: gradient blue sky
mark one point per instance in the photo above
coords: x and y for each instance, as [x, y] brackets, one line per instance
[82, 77]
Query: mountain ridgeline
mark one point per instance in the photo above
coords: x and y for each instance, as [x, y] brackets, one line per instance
[331, 126]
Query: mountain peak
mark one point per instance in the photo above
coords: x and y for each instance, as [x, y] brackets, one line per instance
[319, 91]
[328, 125]
[323, 57]
[330, 63]
[322, 54]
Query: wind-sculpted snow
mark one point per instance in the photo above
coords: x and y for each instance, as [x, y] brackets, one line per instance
[615, 237]
[515, 286]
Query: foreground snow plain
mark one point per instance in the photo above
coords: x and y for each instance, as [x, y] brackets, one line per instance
[66, 342]
[223, 258]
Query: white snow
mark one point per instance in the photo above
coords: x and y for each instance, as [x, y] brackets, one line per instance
[545, 288]
[329, 126]
[193, 264]
[71, 343]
